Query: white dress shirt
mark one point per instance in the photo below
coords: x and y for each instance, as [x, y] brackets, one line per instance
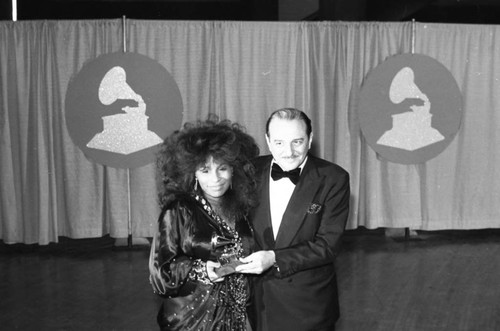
[280, 192]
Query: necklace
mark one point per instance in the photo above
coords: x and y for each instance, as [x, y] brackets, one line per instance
[216, 217]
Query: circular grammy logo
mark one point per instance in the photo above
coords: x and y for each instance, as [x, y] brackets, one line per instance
[410, 108]
[120, 107]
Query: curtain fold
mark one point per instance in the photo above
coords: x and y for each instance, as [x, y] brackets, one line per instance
[465, 176]
[242, 71]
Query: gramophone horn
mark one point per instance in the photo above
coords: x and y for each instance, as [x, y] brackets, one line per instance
[114, 86]
[403, 86]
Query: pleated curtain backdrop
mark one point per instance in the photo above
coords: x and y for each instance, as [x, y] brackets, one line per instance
[242, 71]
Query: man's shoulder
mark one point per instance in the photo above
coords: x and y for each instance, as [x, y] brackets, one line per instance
[262, 161]
[326, 166]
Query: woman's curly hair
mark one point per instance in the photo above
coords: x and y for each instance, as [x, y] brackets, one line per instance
[185, 150]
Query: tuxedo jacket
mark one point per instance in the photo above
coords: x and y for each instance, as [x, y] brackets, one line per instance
[300, 292]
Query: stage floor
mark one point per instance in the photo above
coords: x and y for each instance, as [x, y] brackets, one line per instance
[443, 280]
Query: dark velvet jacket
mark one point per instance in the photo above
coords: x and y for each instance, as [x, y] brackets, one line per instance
[185, 235]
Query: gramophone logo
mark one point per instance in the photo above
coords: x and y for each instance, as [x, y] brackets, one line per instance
[410, 108]
[120, 107]
[123, 133]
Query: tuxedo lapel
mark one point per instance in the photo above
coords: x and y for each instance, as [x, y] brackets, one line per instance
[262, 214]
[300, 200]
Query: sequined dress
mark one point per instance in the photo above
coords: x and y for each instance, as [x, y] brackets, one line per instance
[186, 239]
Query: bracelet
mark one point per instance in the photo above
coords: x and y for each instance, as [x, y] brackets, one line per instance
[199, 272]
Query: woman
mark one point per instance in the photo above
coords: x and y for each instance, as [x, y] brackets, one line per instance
[208, 188]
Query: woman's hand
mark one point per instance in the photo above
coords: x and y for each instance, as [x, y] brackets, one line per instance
[212, 275]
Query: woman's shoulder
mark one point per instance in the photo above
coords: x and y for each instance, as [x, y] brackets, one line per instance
[179, 205]
[179, 199]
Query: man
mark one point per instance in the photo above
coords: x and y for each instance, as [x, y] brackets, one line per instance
[297, 228]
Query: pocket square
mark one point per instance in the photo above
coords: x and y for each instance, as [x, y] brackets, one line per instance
[314, 208]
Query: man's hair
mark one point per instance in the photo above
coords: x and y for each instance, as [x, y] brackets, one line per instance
[290, 114]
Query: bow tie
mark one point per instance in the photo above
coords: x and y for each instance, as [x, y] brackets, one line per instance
[278, 173]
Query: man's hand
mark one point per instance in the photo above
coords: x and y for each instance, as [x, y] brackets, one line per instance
[257, 263]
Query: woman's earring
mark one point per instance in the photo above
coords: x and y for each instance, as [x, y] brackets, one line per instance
[195, 183]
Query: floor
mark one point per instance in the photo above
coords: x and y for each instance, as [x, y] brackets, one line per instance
[434, 281]
[442, 280]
